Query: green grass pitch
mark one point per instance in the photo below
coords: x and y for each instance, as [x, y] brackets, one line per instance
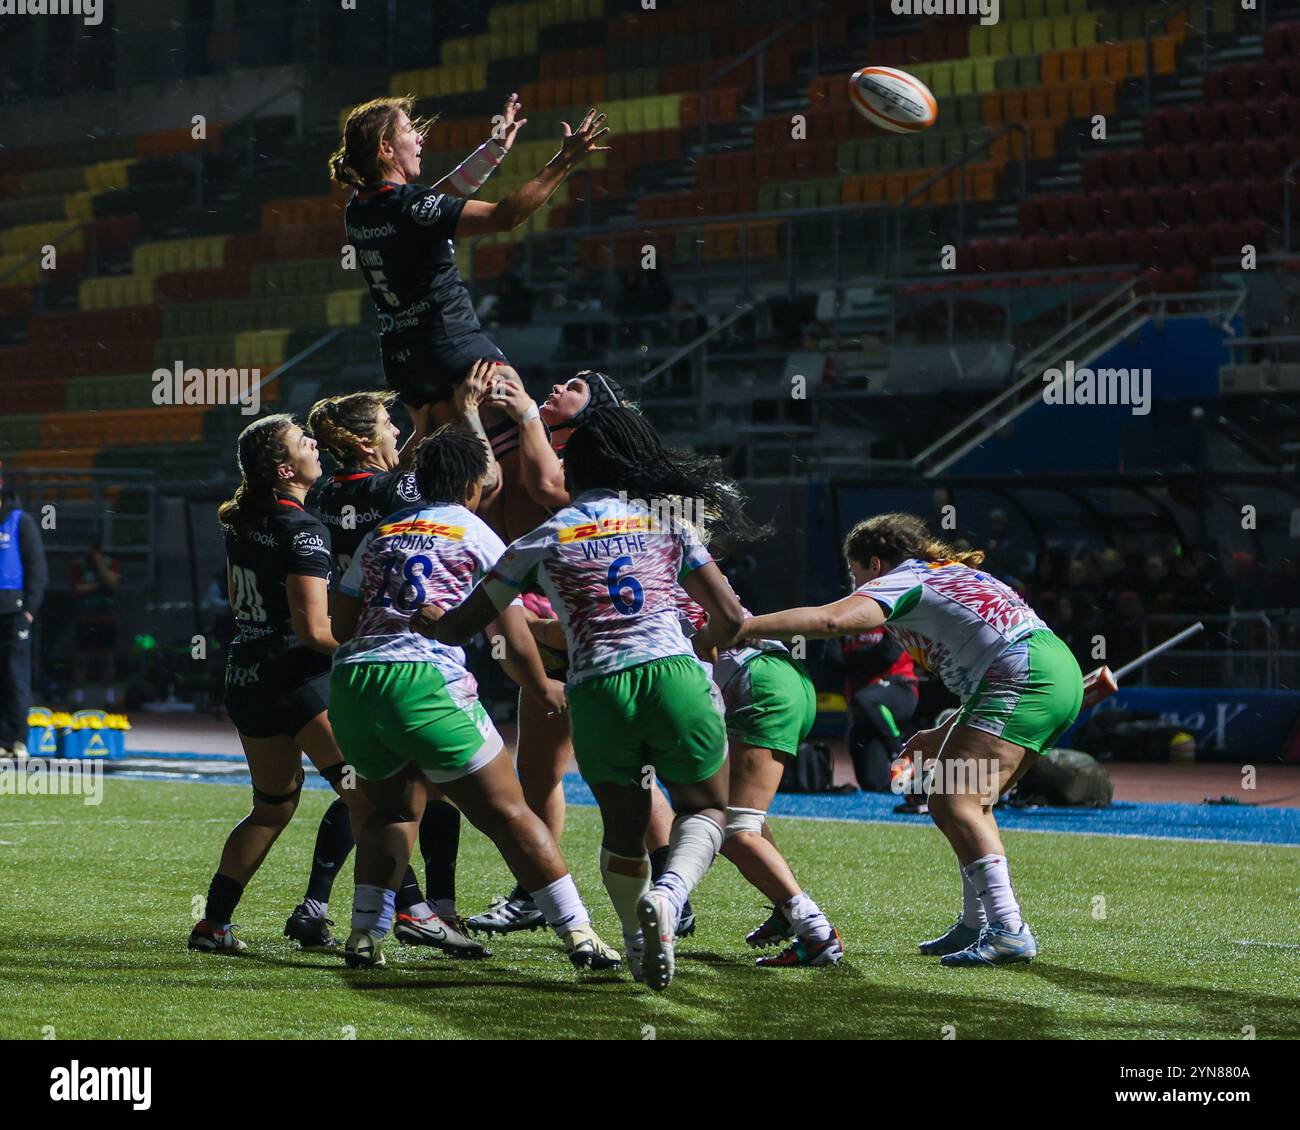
[1139, 938]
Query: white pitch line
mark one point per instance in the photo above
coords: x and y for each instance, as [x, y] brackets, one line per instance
[1274, 945]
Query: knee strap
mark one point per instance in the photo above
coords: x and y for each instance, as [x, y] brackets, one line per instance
[271, 798]
[744, 820]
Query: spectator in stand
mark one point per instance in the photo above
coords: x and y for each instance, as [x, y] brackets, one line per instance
[94, 579]
[23, 577]
[1159, 590]
[1215, 586]
[880, 688]
[1004, 556]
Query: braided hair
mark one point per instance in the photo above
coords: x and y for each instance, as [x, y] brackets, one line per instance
[262, 449]
[618, 449]
[448, 463]
[356, 161]
[342, 424]
[896, 538]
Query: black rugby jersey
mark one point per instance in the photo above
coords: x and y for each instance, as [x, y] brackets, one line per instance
[403, 236]
[352, 503]
[265, 650]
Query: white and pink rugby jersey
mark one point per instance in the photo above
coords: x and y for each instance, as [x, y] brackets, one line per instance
[427, 554]
[730, 660]
[953, 619]
[611, 574]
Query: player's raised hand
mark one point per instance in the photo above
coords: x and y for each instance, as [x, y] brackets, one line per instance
[579, 143]
[477, 385]
[505, 128]
[510, 396]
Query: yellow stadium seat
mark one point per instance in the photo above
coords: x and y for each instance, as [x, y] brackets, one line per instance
[343, 307]
[1042, 34]
[999, 40]
[1062, 33]
[986, 75]
[1085, 30]
[941, 79]
[1022, 42]
[963, 76]
[979, 40]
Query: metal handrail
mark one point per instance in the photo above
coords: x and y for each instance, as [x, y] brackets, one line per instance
[757, 50]
[962, 162]
[1034, 373]
[691, 346]
[1072, 329]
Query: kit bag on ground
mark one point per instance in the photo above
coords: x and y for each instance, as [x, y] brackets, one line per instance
[1065, 778]
[811, 771]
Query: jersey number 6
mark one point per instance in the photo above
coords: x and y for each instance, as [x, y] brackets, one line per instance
[617, 584]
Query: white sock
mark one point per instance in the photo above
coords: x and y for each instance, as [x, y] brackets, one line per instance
[561, 905]
[972, 910]
[419, 910]
[992, 883]
[626, 880]
[444, 908]
[692, 848]
[373, 909]
[807, 918]
[315, 908]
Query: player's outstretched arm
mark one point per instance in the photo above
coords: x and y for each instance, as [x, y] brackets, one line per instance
[472, 173]
[542, 473]
[467, 397]
[852, 614]
[478, 218]
[457, 626]
[523, 662]
[709, 588]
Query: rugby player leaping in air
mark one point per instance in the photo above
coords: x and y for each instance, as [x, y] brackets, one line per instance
[404, 232]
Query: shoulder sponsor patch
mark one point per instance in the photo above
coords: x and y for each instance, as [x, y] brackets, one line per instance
[427, 210]
[407, 489]
[606, 528]
[306, 542]
[422, 526]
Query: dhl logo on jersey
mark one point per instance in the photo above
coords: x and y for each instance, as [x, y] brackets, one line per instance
[423, 526]
[606, 528]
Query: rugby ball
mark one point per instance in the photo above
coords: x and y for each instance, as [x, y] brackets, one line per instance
[893, 99]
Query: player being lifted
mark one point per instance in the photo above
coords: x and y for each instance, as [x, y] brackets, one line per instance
[404, 233]
[372, 481]
[278, 665]
[407, 710]
[1020, 687]
[640, 701]
[545, 745]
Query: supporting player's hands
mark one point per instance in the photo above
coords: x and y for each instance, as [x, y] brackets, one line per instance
[424, 620]
[476, 387]
[510, 396]
[508, 125]
[554, 698]
[580, 143]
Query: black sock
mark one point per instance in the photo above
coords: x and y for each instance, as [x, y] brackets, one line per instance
[519, 894]
[333, 843]
[439, 844]
[658, 862]
[408, 894]
[223, 896]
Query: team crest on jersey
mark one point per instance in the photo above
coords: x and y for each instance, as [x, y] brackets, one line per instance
[407, 489]
[427, 210]
[606, 528]
[306, 543]
[423, 526]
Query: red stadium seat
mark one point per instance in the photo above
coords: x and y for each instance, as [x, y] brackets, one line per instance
[1198, 245]
[1205, 205]
[1267, 197]
[1167, 248]
[1209, 124]
[1030, 217]
[1052, 209]
[1207, 162]
[1176, 164]
[1082, 209]
[1140, 207]
[1146, 168]
[1173, 204]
